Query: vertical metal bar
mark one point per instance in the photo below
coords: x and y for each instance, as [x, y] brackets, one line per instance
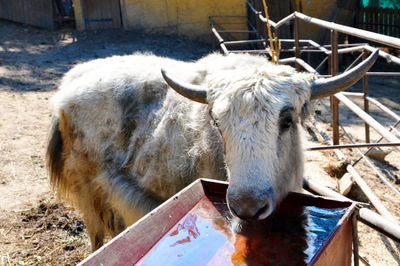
[366, 102]
[296, 42]
[334, 100]
[355, 238]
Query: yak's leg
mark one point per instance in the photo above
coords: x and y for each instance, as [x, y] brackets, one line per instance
[95, 230]
[86, 196]
[76, 181]
[100, 217]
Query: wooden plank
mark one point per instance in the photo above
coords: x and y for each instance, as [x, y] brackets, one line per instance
[101, 14]
[397, 23]
[379, 21]
[79, 17]
[124, 16]
[388, 22]
[395, 26]
[37, 13]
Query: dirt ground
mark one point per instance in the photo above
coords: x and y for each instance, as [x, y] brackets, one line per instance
[37, 229]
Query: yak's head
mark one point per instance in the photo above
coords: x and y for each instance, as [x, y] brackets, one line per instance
[257, 111]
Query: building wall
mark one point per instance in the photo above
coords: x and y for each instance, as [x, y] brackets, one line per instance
[37, 13]
[186, 18]
[321, 9]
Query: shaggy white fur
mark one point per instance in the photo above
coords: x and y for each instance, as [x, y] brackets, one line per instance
[146, 142]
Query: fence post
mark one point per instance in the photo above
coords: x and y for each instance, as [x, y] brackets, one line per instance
[296, 42]
[334, 101]
[366, 102]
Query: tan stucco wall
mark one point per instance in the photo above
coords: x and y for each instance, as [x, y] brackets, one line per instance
[186, 18]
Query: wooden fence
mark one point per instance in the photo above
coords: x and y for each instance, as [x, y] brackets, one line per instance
[380, 20]
[33, 12]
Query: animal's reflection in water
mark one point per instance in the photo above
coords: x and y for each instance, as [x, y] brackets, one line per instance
[209, 235]
[281, 239]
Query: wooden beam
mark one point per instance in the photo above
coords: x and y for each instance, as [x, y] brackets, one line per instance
[79, 16]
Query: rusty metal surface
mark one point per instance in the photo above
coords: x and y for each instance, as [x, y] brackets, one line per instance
[334, 69]
[338, 250]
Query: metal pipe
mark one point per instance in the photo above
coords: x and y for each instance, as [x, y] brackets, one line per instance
[223, 48]
[237, 31]
[306, 66]
[334, 102]
[376, 102]
[284, 20]
[346, 45]
[352, 146]
[354, 231]
[348, 50]
[356, 177]
[312, 186]
[378, 173]
[379, 223]
[296, 42]
[266, 51]
[395, 130]
[368, 35]
[217, 35]
[353, 94]
[368, 192]
[314, 44]
[366, 103]
[389, 58]
[374, 74]
[384, 108]
[244, 42]
[367, 118]
[365, 153]
[323, 61]
[384, 74]
[259, 14]
[287, 60]
[354, 62]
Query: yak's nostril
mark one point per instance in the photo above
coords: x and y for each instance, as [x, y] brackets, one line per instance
[234, 212]
[261, 211]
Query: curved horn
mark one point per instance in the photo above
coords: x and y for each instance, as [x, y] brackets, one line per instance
[193, 92]
[329, 86]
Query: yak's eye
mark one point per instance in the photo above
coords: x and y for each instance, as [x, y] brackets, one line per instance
[286, 123]
[286, 118]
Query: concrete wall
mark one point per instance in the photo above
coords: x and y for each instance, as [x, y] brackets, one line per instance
[186, 18]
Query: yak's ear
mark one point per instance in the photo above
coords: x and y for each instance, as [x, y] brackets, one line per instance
[193, 92]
